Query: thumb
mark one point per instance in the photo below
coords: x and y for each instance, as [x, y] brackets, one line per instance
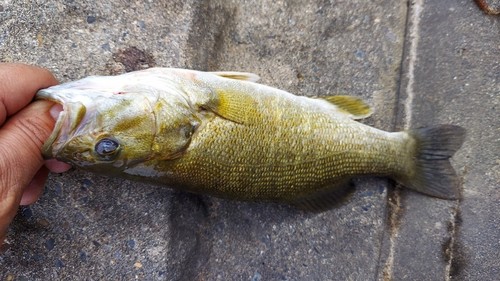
[21, 139]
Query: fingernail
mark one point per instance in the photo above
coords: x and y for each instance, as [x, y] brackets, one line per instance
[55, 110]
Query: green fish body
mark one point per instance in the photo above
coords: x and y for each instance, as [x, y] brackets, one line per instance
[223, 134]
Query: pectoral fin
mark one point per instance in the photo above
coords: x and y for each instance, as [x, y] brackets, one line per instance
[234, 106]
[329, 197]
[245, 76]
[355, 107]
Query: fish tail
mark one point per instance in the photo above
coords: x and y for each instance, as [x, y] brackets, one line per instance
[432, 173]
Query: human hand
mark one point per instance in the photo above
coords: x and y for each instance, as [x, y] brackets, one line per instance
[24, 127]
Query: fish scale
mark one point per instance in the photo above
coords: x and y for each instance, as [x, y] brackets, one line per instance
[291, 171]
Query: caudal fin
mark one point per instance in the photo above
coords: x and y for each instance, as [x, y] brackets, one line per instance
[433, 174]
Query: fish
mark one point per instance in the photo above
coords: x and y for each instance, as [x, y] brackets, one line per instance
[224, 134]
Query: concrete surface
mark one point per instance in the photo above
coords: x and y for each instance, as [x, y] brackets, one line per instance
[417, 63]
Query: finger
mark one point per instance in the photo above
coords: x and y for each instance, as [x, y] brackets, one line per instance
[20, 83]
[56, 166]
[21, 139]
[35, 187]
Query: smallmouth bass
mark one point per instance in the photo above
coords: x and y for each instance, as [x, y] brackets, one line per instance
[223, 134]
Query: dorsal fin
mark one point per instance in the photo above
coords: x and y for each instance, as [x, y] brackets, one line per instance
[329, 197]
[355, 107]
[244, 76]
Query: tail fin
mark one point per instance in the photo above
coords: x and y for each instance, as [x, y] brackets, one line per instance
[433, 174]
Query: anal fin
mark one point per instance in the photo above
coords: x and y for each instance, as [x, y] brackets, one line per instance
[329, 197]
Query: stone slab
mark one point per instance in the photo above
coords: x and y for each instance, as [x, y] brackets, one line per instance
[452, 76]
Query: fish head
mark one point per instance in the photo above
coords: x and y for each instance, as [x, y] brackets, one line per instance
[107, 125]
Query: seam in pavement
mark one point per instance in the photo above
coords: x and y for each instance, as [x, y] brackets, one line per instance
[414, 35]
[412, 31]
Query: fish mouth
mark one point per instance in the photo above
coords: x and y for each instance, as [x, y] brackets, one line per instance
[67, 122]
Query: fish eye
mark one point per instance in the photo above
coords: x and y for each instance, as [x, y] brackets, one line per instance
[107, 148]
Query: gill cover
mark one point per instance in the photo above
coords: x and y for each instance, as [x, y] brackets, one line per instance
[175, 125]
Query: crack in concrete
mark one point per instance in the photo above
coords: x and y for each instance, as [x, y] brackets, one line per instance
[452, 249]
[449, 246]
[395, 212]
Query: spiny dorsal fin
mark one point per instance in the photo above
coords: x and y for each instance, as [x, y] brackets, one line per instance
[245, 76]
[234, 106]
[355, 107]
[328, 198]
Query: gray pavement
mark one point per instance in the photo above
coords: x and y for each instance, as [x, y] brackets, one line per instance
[425, 63]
